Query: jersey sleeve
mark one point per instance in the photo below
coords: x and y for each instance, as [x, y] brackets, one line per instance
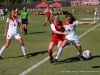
[76, 22]
[19, 20]
[53, 27]
[7, 20]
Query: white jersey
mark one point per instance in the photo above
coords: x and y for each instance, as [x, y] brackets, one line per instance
[13, 24]
[71, 29]
[96, 11]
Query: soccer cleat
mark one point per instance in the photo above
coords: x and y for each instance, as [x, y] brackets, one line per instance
[51, 60]
[55, 60]
[26, 56]
[80, 58]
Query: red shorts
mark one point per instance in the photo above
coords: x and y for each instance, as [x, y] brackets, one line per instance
[55, 40]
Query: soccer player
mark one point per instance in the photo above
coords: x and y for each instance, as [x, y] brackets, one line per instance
[48, 13]
[12, 24]
[1, 13]
[96, 13]
[57, 35]
[73, 11]
[24, 16]
[70, 27]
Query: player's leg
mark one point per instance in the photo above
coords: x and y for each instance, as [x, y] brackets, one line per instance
[19, 39]
[79, 48]
[45, 21]
[24, 28]
[58, 45]
[26, 23]
[5, 46]
[2, 16]
[51, 45]
[22, 47]
[94, 16]
[49, 20]
[98, 17]
[64, 43]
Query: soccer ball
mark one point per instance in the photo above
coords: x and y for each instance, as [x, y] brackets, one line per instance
[87, 54]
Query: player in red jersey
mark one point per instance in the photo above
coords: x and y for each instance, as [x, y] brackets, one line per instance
[11, 30]
[57, 35]
[48, 13]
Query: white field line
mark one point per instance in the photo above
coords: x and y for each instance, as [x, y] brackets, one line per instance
[45, 59]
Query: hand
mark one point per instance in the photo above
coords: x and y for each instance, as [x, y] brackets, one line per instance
[94, 22]
[5, 35]
[65, 33]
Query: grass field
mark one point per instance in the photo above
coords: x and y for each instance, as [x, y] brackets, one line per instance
[37, 42]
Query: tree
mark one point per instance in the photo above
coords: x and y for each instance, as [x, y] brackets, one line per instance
[7, 2]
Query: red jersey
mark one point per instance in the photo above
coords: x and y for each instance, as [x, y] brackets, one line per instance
[48, 12]
[57, 37]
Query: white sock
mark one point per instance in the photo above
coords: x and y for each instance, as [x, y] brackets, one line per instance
[79, 54]
[2, 50]
[23, 50]
[59, 52]
[3, 17]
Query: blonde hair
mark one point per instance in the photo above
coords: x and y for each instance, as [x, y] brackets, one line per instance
[16, 10]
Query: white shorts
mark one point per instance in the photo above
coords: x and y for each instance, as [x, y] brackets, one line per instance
[1, 13]
[15, 35]
[75, 42]
[96, 13]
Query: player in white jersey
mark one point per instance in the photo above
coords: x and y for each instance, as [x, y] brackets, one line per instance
[12, 24]
[72, 37]
[1, 13]
[96, 13]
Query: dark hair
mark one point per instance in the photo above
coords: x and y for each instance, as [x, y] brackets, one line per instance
[71, 16]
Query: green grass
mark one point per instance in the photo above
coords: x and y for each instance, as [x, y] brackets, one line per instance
[37, 42]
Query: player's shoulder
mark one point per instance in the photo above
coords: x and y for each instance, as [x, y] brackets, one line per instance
[15, 18]
[64, 23]
[52, 22]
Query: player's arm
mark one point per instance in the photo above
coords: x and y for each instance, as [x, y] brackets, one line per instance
[20, 17]
[84, 23]
[55, 31]
[19, 24]
[6, 28]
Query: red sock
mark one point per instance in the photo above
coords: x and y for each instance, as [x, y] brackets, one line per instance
[50, 54]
